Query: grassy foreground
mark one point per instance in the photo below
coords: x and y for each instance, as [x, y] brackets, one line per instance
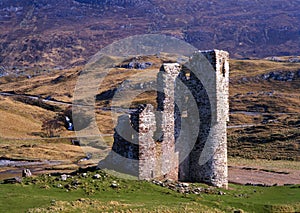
[83, 193]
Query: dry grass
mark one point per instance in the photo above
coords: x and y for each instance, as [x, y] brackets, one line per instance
[250, 68]
[265, 164]
[57, 84]
[274, 135]
[19, 120]
[36, 150]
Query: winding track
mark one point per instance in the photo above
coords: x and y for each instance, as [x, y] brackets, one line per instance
[127, 111]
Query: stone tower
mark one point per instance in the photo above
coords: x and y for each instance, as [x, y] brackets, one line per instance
[207, 78]
[185, 138]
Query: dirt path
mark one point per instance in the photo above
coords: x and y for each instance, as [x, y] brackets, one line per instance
[244, 175]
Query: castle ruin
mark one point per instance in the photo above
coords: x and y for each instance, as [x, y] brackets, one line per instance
[185, 138]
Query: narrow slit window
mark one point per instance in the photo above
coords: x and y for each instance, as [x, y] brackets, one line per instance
[187, 75]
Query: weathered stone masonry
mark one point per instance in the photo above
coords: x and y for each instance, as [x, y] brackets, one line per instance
[185, 137]
[207, 161]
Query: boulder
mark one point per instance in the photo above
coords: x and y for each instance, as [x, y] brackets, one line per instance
[26, 173]
[114, 184]
[64, 177]
[97, 176]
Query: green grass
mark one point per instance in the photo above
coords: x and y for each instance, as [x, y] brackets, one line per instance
[263, 199]
[43, 194]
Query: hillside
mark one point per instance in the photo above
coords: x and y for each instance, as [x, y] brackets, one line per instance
[264, 104]
[59, 34]
[20, 120]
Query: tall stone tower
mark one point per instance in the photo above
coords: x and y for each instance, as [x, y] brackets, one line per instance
[207, 78]
[166, 120]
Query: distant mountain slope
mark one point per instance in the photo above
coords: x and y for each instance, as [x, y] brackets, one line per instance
[51, 33]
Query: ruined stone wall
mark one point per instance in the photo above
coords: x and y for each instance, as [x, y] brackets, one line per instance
[165, 101]
[134, 150]
[124, 156]
[207, 161]
[189, 125]
[200, 99]
[220, 60]
[196, 121]
[149, 159]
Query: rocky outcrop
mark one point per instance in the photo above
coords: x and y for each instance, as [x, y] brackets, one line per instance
[284, 76]
[281, 75]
